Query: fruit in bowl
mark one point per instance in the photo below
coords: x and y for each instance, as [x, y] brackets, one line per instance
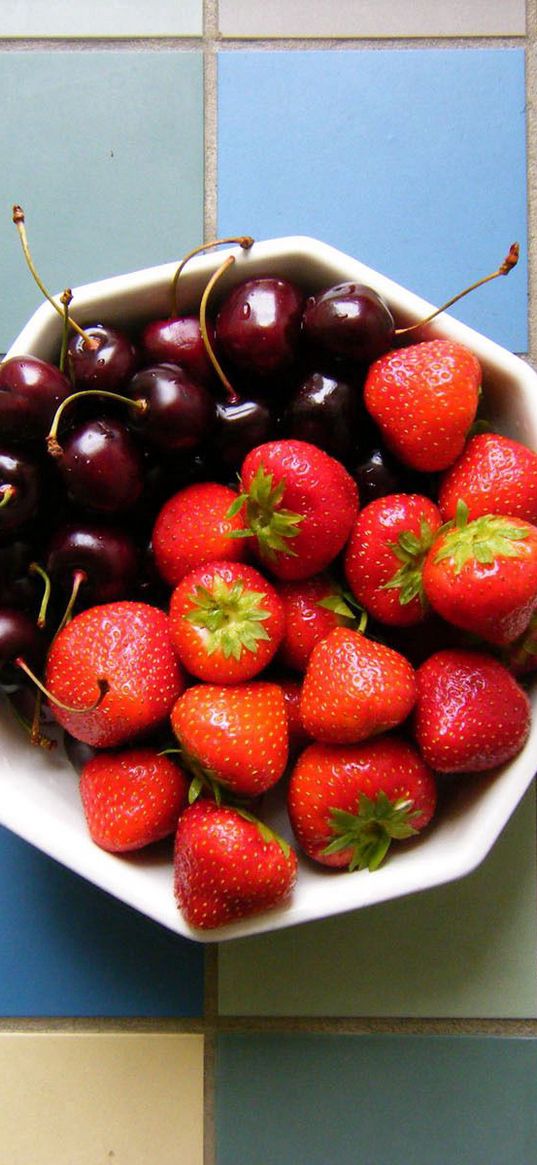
[265, 604]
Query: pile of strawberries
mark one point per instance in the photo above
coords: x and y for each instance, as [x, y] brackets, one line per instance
[351, 654]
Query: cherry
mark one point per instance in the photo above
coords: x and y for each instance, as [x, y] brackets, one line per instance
[378, 473]
[177, 341]
[106, 558]
[19, 490]
[19, 638]
[349, 320]
[30, 392]
[108, 363]
[102, 466]
[324, 410]
[258, 325]
[180, 412]
[18, 585]
[240, 427]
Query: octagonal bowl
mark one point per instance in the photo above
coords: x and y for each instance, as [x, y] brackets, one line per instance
[39, 798]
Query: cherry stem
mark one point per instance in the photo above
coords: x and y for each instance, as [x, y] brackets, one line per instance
[34, 729]
[65, 299]
[79, 577]
[510, 261]
[7, 493]
[35, 568]
[18, 219]
[102, 685]
[203, 327]
[244, 241]
[53, 445]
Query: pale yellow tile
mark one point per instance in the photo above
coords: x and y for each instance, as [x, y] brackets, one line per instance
[101, 1099]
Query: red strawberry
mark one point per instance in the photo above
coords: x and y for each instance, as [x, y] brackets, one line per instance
[482, 575]
[521, 655]
[355, 688]
[347, 803]
[424, 399]
[132, 798]
[125, 647]
[292, 692]
[470, 715]
[234, 735]
[226, 622]
[312, 608]
[228, 865]
[194, 527]
[385, 554]
[300, 504]
[493, 475]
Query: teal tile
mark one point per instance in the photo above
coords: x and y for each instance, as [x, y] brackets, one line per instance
[376, 1100]
[104, 150]
[464, 949]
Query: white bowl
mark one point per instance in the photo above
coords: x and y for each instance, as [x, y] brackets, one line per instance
[39, 791]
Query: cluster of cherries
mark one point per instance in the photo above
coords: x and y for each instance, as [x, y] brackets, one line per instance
[91, 448]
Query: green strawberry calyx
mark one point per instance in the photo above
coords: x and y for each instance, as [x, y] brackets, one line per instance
[268, 835]
[411, 550]
[343, 604]
[370, 831]
[231, 615]
[266, 520]
[482, 540]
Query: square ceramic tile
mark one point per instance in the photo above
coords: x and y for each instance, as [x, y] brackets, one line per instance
[465, 949]
[105, 155]
[376, 1100]
[98, 1099]
[371, 18]
[398, 157]
[113, 18]
[70, 949]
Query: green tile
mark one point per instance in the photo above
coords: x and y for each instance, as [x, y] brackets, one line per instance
[376, 1100]
[464, 949]
[104, 150]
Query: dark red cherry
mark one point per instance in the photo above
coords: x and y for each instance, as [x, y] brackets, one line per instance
[19, 490]
[325, 411]
[107, 557]
[240, 427]
[178, 341]
[108, 365]
[102, 466]
[19, 587]
[180, 413]
[19, 637]
[351, 321]
[377, 474]
[30, 392]
[258, 325]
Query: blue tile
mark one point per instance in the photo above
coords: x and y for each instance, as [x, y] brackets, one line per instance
[376, 1100]
[104, 151]
[411, 160]
[69, 949]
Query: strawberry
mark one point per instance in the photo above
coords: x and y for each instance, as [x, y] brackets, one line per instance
[124, 649]
[194, 527]
[292, 693]
[424, 399]
[300, 504]
[354, 688]
[132, 798]
[312, 608]
[482, 575]
[521, 655]
[228, 865]
[235, 736]
[226, 622]
[385, 554]
[493, 475]
[471, 714]
[347, 803]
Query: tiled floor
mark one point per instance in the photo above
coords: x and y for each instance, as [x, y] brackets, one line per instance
[406, 135]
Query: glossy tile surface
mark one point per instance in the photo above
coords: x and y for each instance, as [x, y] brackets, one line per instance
[376, 1100]
[371, 18]
[398, 157]
[98, 1099]
[465, 949]
[102, 18]
[68, 949]
[106, 157]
